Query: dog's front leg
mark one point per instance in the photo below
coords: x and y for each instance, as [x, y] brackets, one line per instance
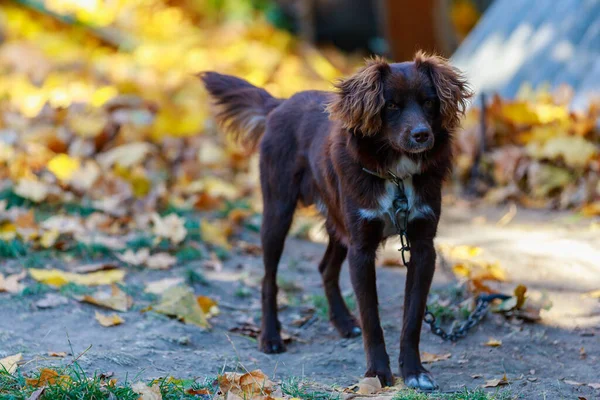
[420, 274]
[362, 274]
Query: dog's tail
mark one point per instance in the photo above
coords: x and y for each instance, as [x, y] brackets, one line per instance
[242, 108]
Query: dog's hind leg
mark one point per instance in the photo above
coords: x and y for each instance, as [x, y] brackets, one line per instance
[280, 196]
[330, 267]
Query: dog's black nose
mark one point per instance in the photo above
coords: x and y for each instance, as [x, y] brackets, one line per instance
[420, 134]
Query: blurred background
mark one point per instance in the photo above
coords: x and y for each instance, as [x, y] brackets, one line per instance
[82, 77]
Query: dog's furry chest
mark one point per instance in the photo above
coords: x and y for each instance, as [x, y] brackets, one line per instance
[386, 210]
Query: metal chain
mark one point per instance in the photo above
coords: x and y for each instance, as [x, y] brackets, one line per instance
[401, 214]
[480, 311]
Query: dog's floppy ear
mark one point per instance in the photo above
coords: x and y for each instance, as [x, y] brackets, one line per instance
[450, 85]
[359, 100]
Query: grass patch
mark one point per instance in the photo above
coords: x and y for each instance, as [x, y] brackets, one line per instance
[75, 384]
[321, 305]
[465, 394]
[297, 388]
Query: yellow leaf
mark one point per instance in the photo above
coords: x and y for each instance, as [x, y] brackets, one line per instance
[461, 270]
[117, 299]
[591, 210]
[109, 320]
[10, 363]
[8, 231]
[48, 238]
[59, 278]
[180, 302]
[214, 233]
[63, 166]
[48, 377]
[493, 343]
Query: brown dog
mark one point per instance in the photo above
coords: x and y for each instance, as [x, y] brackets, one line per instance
[388, 119]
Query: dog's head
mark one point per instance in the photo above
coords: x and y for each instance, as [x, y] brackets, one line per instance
[405, 103]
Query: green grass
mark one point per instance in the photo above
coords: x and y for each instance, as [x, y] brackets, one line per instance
[80, 386]
[321, 305]
[465, 394]
[295, 387]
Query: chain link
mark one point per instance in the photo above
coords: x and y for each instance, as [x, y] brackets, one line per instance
[401, 214]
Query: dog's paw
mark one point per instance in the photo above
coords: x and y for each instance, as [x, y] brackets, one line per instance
[347, 327]
[421, 381]
[384, 374]
[271, 344]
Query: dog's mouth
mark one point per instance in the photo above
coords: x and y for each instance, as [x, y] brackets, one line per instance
[413, 148]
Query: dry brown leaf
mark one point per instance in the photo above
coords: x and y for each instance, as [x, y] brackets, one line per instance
[208, 305]
[59, 354]
[253, 331]
[431, 358]
[493, 343]
[369, 385]
[94, 267]
[47, 377]
[9, 364]
[249, 385]
[117, 299]
[109, 320]
[496, 382]
[147, 392]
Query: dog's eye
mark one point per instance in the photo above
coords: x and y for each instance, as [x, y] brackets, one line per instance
[428, 104]
[392, 106]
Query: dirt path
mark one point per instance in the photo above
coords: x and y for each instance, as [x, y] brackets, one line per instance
[552, 253]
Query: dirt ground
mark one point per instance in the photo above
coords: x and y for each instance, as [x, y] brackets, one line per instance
[553, 253]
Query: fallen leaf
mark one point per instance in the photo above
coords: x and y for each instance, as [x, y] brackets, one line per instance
[126, 155]
[94, 267]
[11, 283]
[392, 262]
[47, 377]
[56, 277]
[200, 392]
[109, 320]
[63, 166]
[249, 385]
[31, 189]
[594, 385]
[253, 331]
[493, 343]
[520, 295]
[431, 358]
[208, 305]
[496, 382]
[573, 383]
[51, 300]
[180, 302]
[134, 258]
[9, 364]
[117, 299]
[49, 238]
[161, 261]
[215, 234]
[147, 392]
[170, 227]
[160, 286]
[369, 385]
[59, 354]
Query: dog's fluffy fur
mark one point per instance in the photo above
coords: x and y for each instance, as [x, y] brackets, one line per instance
[313, 148]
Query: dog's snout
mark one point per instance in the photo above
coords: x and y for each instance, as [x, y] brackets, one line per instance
[420, 134]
